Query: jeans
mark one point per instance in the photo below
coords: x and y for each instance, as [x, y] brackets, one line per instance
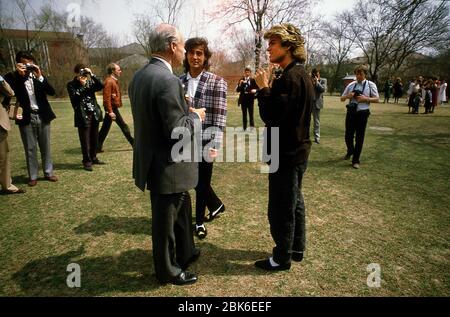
[286, 211]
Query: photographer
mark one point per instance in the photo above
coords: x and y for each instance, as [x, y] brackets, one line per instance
[320, 86]
[247, 88]
[360, 94]
[87, 112]
[31, 88]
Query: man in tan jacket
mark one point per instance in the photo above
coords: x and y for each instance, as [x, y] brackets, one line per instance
[5, 126]
[112, 101]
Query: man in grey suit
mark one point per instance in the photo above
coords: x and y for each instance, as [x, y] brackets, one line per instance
[159, 107]
[320, 86]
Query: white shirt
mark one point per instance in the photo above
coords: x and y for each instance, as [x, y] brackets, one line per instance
[165, 63]
[29, 85]
[370, 90]
[192, 84]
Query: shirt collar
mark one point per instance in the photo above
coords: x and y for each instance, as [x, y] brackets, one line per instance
[188, 76]
[165, 63]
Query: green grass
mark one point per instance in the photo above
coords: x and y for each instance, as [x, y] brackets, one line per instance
[394, 211]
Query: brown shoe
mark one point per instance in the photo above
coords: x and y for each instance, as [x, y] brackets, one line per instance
[51, 178]
[32, 182]
[11, 192]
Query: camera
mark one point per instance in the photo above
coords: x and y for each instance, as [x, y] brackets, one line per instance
[357, 93]
[84, 72]
[30, 67]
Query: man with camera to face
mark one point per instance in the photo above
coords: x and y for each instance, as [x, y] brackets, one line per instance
[360, 94]
[31, 88]
[247, 89]
[87, 112]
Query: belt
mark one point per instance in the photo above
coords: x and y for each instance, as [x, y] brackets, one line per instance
[34, 111]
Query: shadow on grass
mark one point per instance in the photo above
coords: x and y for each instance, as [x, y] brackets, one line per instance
[73, 151]
[69, 166]
[123, 225]
[131, 271]
[218, 261]
[20, 179]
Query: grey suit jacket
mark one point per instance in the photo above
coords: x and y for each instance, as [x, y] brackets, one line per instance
[319, 89]
[158, 106]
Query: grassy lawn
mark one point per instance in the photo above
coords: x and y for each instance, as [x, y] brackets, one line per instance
[394, 211]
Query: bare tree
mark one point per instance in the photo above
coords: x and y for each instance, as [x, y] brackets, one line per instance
[243, 44]
[388, 31]
[259, 14]
[168, 10]
[339, 41]
[32, 21]
[141, 26]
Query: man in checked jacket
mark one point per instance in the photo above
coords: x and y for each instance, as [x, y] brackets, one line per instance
[205, 90]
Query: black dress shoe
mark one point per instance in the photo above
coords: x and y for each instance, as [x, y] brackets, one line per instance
[193, 258]
[297, 256]
[98, 162]
[88, 168]
[265, 265]
[215, 213]
[184, 278]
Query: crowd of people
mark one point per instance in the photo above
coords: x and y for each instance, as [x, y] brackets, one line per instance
[426, 92]
[196, 101]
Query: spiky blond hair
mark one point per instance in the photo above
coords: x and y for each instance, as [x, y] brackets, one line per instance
[290, 36]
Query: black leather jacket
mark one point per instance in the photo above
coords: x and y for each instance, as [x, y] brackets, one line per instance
[84, 101]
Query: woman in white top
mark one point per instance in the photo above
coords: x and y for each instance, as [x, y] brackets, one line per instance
[442, 97]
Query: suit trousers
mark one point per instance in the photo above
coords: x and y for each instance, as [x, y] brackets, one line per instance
[355, 123]
[172, 234]
[247, 107]
[89, 140]
[204, 193]
[107, 121]
[286, 211]
[5, 169]
[316, 118]
[34, 134]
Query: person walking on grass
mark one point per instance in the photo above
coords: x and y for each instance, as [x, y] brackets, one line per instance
[112, 101]
[360, 93]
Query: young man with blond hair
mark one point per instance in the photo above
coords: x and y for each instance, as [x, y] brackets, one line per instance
[286, 106]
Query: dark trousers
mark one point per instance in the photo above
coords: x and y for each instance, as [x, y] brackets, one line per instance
[286, 211]
[247, 107]
[88, 140]
[172, 235]
[204, 193]
[107, 121]
[355, 123]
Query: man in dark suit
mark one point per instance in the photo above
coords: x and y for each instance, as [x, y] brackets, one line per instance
[247, 88]
[31, 88]
[159, 107]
